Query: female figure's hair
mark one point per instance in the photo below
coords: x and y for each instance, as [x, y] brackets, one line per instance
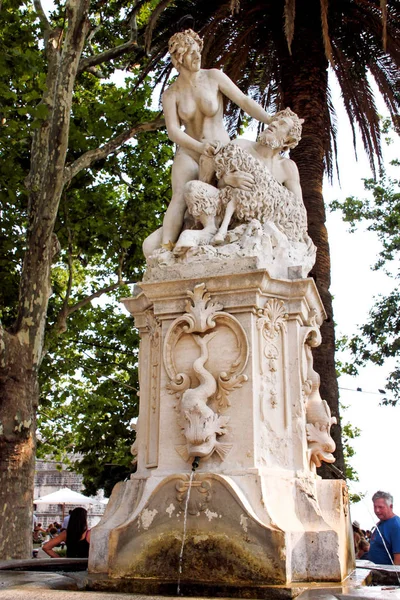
[180, 43]
[77, 525]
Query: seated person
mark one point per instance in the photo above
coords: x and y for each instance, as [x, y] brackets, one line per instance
[38, 533]
[76, 536]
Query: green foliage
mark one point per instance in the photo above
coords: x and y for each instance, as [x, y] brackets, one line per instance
[349, 433]
[381, 211]
[88, 375]
[21, 86]
[379, 337]
[89, 394]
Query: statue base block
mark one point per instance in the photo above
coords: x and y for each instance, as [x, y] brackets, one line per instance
[226, 377]
[225, 542]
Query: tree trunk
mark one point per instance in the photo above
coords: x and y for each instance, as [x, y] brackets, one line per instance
[304, 77]
[21, 348]
[19, 398]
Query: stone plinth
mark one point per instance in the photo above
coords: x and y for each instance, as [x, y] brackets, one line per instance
[226, 376]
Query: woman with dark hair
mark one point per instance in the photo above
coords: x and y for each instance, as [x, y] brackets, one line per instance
[76, 536]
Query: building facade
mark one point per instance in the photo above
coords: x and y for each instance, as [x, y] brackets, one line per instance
[50, 476]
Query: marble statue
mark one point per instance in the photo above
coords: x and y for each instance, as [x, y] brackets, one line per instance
[256, 212]
[194, 101]
[256, 182]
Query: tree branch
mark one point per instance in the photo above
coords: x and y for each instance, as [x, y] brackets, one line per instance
[61, 324]
[96, 72]
[106, 56]
[111, 146]
[66, 311]
[91, 36]
[88, 299]
[42, 15]
[3, 347]
[131, 20]
[86, 368]
[152, 22]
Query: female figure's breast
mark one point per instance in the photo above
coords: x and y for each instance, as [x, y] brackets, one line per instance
[202, 100]
[195, 105]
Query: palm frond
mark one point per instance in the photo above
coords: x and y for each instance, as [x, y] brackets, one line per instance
[263, 46]
[325, 30]
[289, 14]
[360, 106]
[384, 23]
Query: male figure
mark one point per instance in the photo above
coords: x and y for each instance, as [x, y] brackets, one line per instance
[255, 182]
[385, 540]
[283, 133]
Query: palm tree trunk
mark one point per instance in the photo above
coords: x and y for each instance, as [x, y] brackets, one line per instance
[304, 79]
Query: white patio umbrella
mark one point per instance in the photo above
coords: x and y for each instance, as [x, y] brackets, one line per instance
[64, 496]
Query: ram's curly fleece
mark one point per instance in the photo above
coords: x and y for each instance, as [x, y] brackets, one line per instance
[268, 201]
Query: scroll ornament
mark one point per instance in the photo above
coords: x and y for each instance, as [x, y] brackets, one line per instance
[318, 415]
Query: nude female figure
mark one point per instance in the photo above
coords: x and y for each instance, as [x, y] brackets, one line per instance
[194, 101]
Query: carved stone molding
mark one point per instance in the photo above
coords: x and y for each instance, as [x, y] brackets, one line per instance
[345, 497]
[318, 414]
[154, 329]
[149, 382]
[203, 321]
[200, 494]
[272, 324]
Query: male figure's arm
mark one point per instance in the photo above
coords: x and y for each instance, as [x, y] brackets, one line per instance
[238, 179]
[292, 178]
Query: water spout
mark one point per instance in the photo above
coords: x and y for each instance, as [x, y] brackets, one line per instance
[195, 463]
[184, 527]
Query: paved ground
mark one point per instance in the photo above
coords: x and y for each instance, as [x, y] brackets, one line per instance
[42, 585]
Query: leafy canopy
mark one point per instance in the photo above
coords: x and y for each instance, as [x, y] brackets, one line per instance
[379, 337]
[88, 374]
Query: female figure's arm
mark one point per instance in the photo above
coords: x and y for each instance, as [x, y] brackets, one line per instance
[231, 91]
[56, 541]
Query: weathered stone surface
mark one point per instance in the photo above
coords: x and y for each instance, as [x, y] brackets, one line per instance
[226, 375]
[224, 542]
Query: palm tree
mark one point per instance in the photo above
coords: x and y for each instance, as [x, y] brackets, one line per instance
[279, 52]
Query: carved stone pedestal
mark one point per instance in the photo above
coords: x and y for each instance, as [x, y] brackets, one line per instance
[226, 375]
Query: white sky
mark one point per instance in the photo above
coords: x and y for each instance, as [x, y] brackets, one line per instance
[354, 285]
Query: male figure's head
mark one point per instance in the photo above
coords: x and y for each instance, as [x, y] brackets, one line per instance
[284, 131]
[383, 505]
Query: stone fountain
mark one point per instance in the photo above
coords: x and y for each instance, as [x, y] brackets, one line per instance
[227, 320]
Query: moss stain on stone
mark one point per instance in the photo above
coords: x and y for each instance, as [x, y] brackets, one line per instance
[216, 557]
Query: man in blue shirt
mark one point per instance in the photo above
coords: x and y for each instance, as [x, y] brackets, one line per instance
[385, 540]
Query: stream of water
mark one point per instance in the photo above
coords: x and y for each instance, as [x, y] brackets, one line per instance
[184, 533]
